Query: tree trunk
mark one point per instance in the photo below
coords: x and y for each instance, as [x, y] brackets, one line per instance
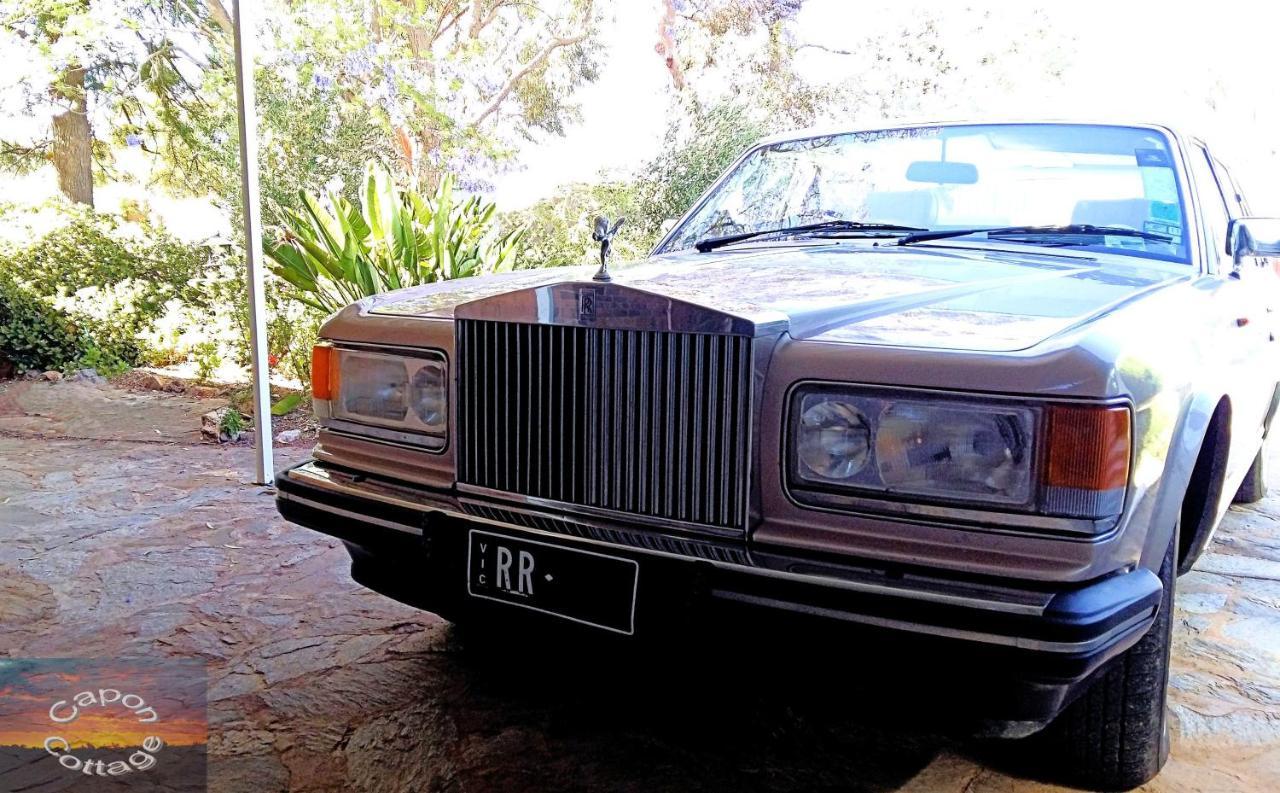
[218, 12]
[73, 140]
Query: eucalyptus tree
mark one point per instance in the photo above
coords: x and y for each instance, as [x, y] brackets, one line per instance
[456, 83]
[433, 86]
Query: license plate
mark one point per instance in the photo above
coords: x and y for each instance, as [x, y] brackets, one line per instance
[583, 586]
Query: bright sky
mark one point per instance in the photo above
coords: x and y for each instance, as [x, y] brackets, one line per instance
[1191, 65]
[623, 113]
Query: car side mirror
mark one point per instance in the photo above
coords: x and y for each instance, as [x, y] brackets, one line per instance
[1253, 237]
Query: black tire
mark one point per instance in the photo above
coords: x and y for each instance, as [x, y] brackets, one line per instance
[1115, 736]
[1254, 487]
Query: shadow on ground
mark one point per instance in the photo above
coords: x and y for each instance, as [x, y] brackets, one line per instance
[155, 547]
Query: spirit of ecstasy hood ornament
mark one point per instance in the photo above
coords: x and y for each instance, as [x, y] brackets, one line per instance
[604, 234]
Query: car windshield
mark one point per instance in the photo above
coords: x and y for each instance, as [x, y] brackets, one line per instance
[958, 177]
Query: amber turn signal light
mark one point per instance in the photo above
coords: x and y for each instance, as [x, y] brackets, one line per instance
[1086, 469]
[324, 372]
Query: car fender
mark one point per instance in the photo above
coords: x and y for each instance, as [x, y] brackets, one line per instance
[1188, 440]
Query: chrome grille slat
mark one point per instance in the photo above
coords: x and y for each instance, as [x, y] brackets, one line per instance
[641, 422]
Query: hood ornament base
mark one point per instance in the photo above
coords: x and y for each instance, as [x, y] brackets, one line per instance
[604, 234]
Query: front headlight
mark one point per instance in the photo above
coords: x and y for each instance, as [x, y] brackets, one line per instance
[407, 393]
[835, 439]
[915, 447]
[882, 446]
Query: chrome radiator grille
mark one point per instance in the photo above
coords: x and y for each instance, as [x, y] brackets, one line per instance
[649, 423]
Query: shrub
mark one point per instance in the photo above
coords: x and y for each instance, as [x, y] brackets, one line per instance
[699, 145]
[36, 336]
[296, 342]
[208, 359]
[695, 151]
[86, 289]
[558, 228]
[32, 333]
[334, 253]
[139, 266]
[231, 423]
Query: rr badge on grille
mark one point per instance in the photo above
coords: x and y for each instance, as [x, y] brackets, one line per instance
[586, 305]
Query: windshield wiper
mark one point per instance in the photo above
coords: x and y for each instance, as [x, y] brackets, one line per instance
[1067, 230]
[711, 243]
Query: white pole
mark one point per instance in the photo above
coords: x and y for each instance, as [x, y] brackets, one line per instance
[244, 32]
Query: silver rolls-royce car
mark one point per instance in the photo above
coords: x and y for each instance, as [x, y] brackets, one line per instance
[993, 385]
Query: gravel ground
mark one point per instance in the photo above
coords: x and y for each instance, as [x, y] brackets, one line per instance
[122, 536]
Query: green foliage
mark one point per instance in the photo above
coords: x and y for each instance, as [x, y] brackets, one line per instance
[101, 361]
[746, 50]
[334, 252]
[35, 335]
[142, 61]
[80, 294]
[208, 359]
[131, 271]
[456, 85]
[298, 334]
[558, 228]
[286, 405]
[308, 141]
[696, 150]
[426, 87]
[232, 423]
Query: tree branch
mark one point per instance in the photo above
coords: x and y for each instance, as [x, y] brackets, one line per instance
[40, 149]
[537, 60]
[219, 13]
[667, 44]
[478, 22]
[443, 25]
[824, 48]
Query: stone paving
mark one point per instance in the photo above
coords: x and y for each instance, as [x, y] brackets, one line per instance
[122, 536]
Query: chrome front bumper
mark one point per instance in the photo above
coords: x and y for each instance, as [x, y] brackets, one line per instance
[1089, 624]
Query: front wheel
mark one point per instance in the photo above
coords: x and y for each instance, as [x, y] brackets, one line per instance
[1115, 736]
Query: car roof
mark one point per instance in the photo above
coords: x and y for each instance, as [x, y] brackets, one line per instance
[825, 130]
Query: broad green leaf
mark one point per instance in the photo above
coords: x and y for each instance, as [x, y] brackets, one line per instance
[286, 405]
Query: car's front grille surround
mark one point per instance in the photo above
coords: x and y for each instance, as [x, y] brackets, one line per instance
[713, 550]
[652, 424]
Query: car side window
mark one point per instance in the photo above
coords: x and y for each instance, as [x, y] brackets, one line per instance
[1213, 206]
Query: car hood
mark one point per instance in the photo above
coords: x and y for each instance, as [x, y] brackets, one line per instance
[953, 297]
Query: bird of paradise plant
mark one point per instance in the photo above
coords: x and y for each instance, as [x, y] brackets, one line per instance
[334, 252]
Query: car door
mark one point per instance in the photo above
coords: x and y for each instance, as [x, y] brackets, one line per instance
[1239, 313]
[1264, 274]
